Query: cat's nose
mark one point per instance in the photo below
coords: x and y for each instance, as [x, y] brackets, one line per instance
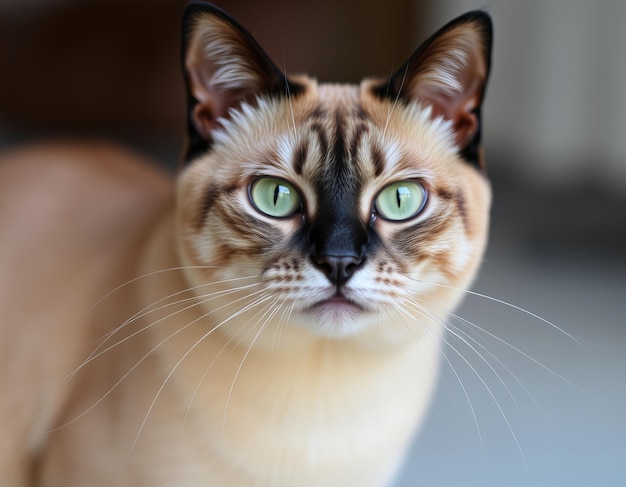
[338, 268]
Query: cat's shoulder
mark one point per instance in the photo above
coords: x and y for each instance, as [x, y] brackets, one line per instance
[78, 185]
[71, 219]
[71, 213]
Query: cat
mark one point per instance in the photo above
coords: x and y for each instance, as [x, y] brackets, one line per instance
[275, 316]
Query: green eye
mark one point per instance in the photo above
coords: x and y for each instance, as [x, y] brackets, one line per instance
[274, 197]
[400, 201]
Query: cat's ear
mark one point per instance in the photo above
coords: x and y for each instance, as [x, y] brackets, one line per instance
[449, 73]
[223, 66]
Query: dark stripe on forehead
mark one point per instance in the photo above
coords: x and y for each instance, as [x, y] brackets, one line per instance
[378, 159]
[360, 113]
[322, 138]
[339, 155]
[356, 140]
[337, 227]
[318, 113]
[299, 157]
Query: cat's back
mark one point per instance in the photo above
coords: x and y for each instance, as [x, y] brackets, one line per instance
[70, 216]
[61, 204]
[81, 181]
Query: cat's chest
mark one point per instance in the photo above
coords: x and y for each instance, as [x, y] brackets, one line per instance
[290, 422]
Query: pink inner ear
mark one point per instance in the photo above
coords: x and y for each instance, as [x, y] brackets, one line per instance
[204, 119]
[457, 106]
[459, 109]
[205, 112]
[213, 105]
[214, 100]
[450, 76]
[223, 69]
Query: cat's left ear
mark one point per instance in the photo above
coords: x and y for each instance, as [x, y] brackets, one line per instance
[223, 67]
[449, 73]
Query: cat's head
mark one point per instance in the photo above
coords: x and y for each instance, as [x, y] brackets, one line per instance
[348, 209]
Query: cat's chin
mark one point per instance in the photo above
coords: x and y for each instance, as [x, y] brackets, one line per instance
[336, 316]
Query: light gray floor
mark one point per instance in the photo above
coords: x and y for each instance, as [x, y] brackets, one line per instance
[557, 416]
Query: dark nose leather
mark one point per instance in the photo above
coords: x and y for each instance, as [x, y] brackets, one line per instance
[338, 268]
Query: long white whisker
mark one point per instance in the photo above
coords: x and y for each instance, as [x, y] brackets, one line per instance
[160, 271]
[467, 336]
[524, 354]
[395, 101]
[286, 315]
[293, 118]
[185, 355]
[106, 394]
[466, 394]
[150, 307]
[208, 368]
[273, 310]
[457, 332]
[147, 310]
[506, 303]
[201, 299]
[493, 397]
[458, 378]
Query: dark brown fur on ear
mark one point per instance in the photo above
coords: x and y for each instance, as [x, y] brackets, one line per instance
[449, 73]
[223, 66]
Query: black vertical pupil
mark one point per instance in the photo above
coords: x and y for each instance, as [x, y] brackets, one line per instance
[276, 193]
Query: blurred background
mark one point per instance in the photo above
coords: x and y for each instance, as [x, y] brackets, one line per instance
[521, 402]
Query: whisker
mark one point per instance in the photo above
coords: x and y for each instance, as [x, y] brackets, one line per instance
[493, 397]
[162, 271]
[395, 101]
[185, 355]
[458, 378]
[490, 392]
[467, 336]
[180, 330]
[207, 296]
[284, 319]
[524, 354]
[146, 310]
[194, 288]
[458, 333]
[516, 349]
[288, 93]
[272, 308]
[201, 299]
[505, 303]
[208, 368]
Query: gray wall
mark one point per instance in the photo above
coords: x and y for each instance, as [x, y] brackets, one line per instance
[556, 106]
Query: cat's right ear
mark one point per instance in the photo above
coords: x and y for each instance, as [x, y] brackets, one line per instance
[223, 66]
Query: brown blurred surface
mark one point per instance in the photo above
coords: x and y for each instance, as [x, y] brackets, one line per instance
[112, 68]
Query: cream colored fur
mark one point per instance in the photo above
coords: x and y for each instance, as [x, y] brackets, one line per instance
[115, 371]
[77, 222]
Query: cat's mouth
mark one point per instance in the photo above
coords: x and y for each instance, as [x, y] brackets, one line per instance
[336, 316]
[335, 304]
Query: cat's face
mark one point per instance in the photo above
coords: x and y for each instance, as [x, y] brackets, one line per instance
[345, 209]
